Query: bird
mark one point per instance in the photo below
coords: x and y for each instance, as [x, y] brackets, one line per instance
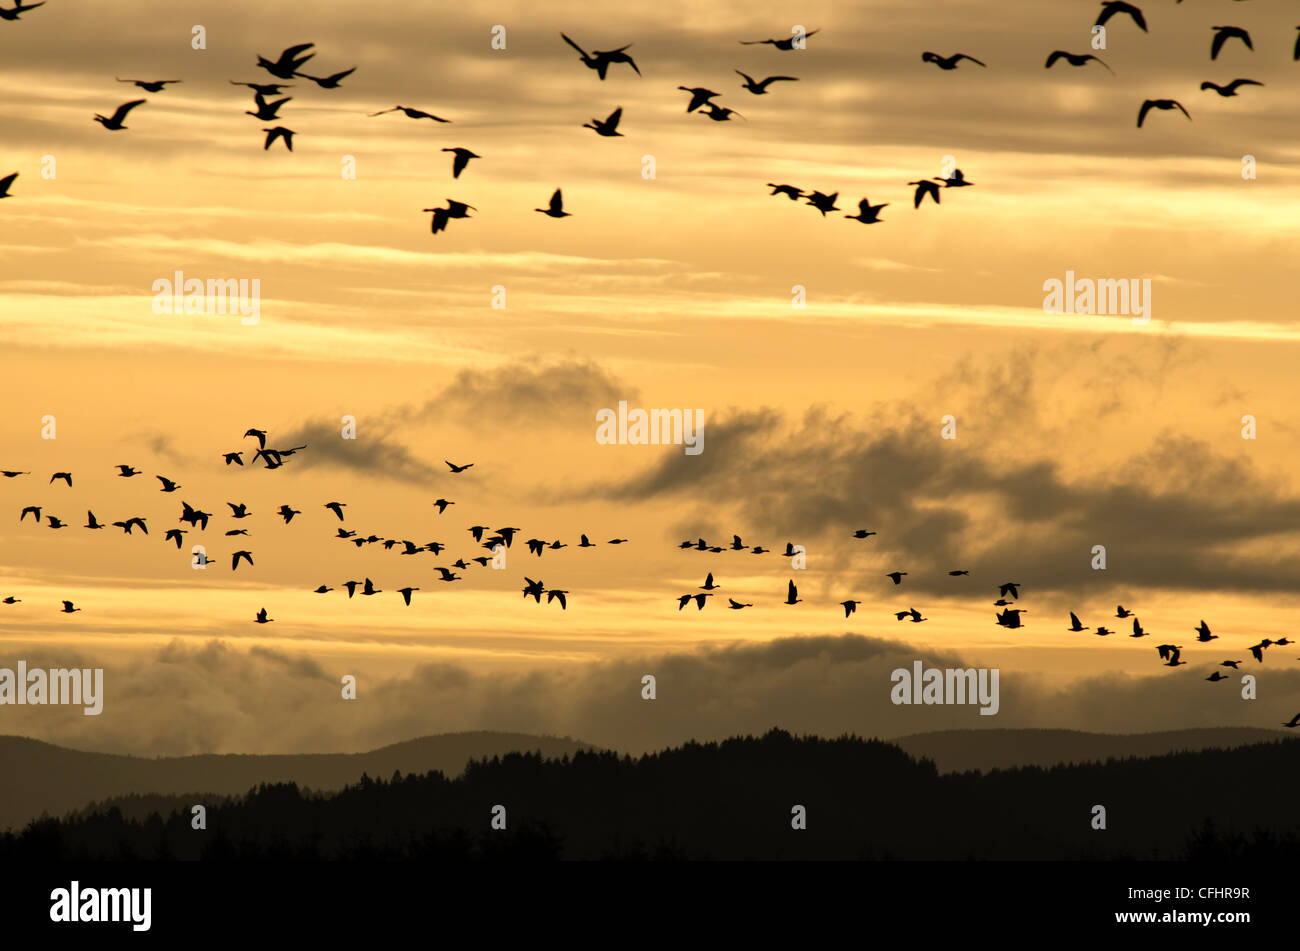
[1203, 633]
[34, 509]
[149, 85]
[1122, 612]
[12, 600]
[259, 435]
[167, 484]
[369, 588]
[720, 113]
[708, 583]
[955, 180]
[1216, 676]
[445, 574]
[792, 594]
[958, 573]
[868, 214]
[685, 599]
[822, 202]
[556, 207]
[234, 559]
[760, 88]
[1281, 642]
[609, 126]
[1010, 588]
[1010, 617]
[91, 521]
[1230, 663]
[1165, 104]
[1074, 59]
[1138, 630]
[12, 473]
[336, 508]
[557, 594]
[1001, 603]
[194, 516]
[5, 183]
[507, 534]
[1110, 8]
[1293, 722]
[534, 590]
[351, 586]
[1075, 624]
[862, 532]
[264, 89]
[288, 63]
[262, 618]
[851, 606]
[896, 575]
[1103, 631]
[55, 522]
[266, 111]
[18, 9]
[923, 188]
[601, 60]
[288, 513]
[1231, 88]
[1224, 33]
[1174, 661]
[699, 96]
[455, 468]
[461, 160]
[130, 523]
[785, 44]
[454, 209]
[789, 191]
[239, 511]
[1258, 650]
[409, 113]
[330, 82]
[406, 594]
[270, 456]
[735, 605]
[278, 132]
[174, 535]
[65, 476]
[1165, 649]
[948, 62]
[114, 122]
[323, 589]
[68, 608]
[443, 503]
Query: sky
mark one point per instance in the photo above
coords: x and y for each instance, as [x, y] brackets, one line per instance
[670, 291]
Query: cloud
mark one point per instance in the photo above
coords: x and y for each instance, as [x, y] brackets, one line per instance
[529, 393]
[376, 454]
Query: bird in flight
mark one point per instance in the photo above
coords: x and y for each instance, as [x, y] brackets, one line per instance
[149, 85]
[91, 521]
[760, 88]
[1216, 677]
[601, 60]
[1110, 8]
[955, 180]
[288, 513]
[65, 476]
[792, 595]
[1075, 624]
[1257, 651]
[1165, 104]
[167, 484]
[1224, 33]
[1103, 631]
[1074, 59]
[784, 44]
[789, 191]
[443, 503]
[193, 516]
[735, 605]
[18, 9]
[823, 202]
[266, 111]
[369, 588]
[948, 62]
[557, 594]
[699, 96]
[329, 82]
[12, 473]
[685, 599]
[720, 113]
[862, 532]
[336, 508]
[286, 67]
[278, 132]
[5, 183]
[410, 113]
[234, 559]
[609, 126]
[708, 583]
[897, 576]
[454, 209]
[262, 618]
[114, 123]
[556, 207]
[406, 594]
[1122, 612]
[923, 188]
[1203, 633]
[1138, 630]
[958, 573]
[68, 608]
[34, 509]
[455, 468]
[461, 160]
[868, 214]
[1231, 88]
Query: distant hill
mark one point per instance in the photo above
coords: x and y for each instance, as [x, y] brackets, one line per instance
[41, 777]
[957, 751]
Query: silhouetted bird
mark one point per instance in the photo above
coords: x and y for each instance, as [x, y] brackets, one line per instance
[351, 586]
[34, 509]
[130, 523]
[114, 122]
[1230, 663]
[330, 82]
[410, 113]
[601, 60]
[1165, 104]
[1165, 649]
[708, 583]
[760, 88]
[1216, 676]
[18, 9]
[68, 608]
[12, 600]
[12, 473]
[5, 183]
[955, 180]
[454, 209]
[167, 484]
[55, 522]
[406, 594]
[1010, 588]
[1137, 629]
[266, 111]
[868, 213]
[279, 132]
[720, 113]
[1231, 88]
[785, 44]
[557, 594]
[259, 435]
[896, 575]
[461, 160]
[1224, 33]
[194, 516]
[234, 559]
[369, 588]
[1111, 7]
[862, 532]
[1079, 59]
[736, 605]
[238, 511]
[534, 590]
[792, 595]
[699, 96]
[65, 476]
[616, 541]
[1075, 624]
[336, 508]
[262, 618]
[823, 202]
[556, 207]
[1203, 633]
[850, 607]
[91, 521]
[607, 127]
[699, 600]
[948, 62]
[1258, 650]
[286, 67]
[789, 191]
[455, 468]
[1122, 612]
[174, 535]
[149, 85]
[958, 573]
[923, 188]
[1103, 631]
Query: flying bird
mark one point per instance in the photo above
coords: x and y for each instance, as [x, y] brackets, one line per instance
[789, 191]
[279, 132]
[167, 484]
[955, 180]
[1122, 612]
[1231, 88]
[266, 111]
[607, 127]
[720, 113]
[336, 508]
[410, 113]
[68, 608]
[896, 575]
[948, 62]
[923, 188]
[114, 122]
[5, 183]
[822, 202]
[1075, 624]
[234, 559]
[91, 521]
[1110, 8]
[264, 89]
[556, 207]
[760, 88]
[1203, 633]
[18, 9]
[149, 85]
[868, 214]
[1074, 59]
[406, 594]
[557, 594]
[330, 82]
[1224, 33]
[685, 599]
[1165, 104]
[792, 595]
[455, 468]
[699, 96]
[601, 60]
[65, 476]
[288, 63]
[461, 160]
[785, 44]
[262, 618]
[1216, 676]
[851, 606]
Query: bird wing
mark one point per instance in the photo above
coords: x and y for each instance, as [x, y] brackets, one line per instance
[1180, 107]
[1219, 39]
[580, 50]
[126, 107]
[971, 58]
[557, 201]
[1142, 113]
[614, 116]
[1053, 56]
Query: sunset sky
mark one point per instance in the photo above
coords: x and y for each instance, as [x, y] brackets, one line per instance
[670, 292]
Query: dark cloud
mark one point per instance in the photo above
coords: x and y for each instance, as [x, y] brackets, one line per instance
[375, 451]
[528, 393]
